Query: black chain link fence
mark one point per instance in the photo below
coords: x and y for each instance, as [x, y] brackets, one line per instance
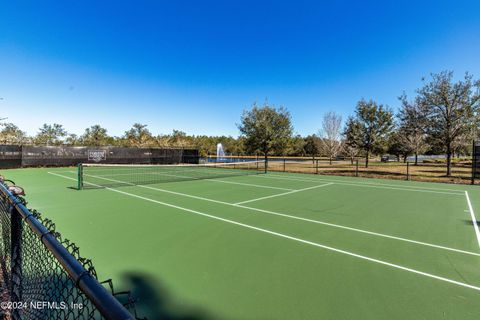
[43, 276]
[10, 156]
[14, 156]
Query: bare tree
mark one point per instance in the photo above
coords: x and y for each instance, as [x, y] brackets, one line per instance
[350, 150]
[330, 133]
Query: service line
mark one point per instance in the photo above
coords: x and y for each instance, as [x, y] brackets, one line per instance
[283, 194]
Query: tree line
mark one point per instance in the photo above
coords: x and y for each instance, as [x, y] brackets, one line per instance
[442, 118]
[137, 136]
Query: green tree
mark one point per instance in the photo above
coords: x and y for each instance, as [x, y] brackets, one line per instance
[450, 108]
[138, 136]
[50, 134]
[311, 146]
[266, 129]
[351, 142]
[372, 123]
[399, 146]
[72, 139]
[162, 140]
[95, 136]
[411, 135]
[11, 134]
[463, 144]
[230, 145]
[238, 146]
[178, 138]
[202, 144]
[295, 147]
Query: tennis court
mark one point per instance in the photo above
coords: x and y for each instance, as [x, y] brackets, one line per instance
[275, 245]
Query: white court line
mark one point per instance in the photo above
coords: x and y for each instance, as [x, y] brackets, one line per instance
[458, 193]
[367, 183]
[300, 218]
[281, 235]
[474, 219]
[283, 194]
[230, 182]
[250, 185]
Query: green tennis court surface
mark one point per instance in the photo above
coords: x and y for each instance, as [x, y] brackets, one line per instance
[275, 246]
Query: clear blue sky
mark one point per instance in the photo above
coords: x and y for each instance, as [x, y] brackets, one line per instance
[195, 65]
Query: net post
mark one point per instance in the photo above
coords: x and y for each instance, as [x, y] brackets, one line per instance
[356, 168]
[80, 177]
[284, 164]
[316, 166]
[408, 171]
[474, 160]
[16, 259]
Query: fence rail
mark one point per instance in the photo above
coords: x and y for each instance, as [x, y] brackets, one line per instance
[428, 170]
[460, 172]
[37, 266]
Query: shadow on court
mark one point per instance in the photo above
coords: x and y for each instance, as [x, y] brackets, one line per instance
[154, 302]
[469, 222]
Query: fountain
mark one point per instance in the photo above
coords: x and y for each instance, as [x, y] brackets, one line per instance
[220, 153]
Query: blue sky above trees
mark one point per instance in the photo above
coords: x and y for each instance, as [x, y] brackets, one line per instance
[195, 65]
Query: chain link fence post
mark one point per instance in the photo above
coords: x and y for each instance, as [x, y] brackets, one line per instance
[16, 260]
[474, 160]
[356, 168]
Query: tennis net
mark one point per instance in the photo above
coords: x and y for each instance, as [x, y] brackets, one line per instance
[117, 175]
